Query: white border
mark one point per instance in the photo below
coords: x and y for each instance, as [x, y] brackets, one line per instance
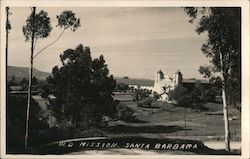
[244, 4]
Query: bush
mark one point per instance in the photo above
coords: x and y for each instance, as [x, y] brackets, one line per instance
[124, 112]
[146, 102]
[195, 98]
[16, 118]
[156, 95]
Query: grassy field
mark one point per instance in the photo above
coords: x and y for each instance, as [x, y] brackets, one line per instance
[171, 120]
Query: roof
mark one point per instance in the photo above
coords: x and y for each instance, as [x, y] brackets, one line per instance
[160, 72]
[178, 72]
[194, 81]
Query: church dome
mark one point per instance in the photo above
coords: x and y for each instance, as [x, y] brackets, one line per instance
[178, 72]
[160, 72]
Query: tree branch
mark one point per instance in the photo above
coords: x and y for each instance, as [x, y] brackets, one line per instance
[49, 45]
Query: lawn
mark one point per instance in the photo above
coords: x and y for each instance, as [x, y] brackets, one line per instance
[171, 121]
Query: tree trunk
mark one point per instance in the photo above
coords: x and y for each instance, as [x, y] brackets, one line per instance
[226, 123]
[7, 29]
[30, 81]
[225, 107]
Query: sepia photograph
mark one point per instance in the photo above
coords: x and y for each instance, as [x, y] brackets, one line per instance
[122, 80]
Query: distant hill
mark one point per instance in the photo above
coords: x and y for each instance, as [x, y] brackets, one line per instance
[23, 72]
[134, 81]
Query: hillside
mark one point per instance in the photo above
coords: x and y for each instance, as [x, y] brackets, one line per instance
[131, 81]
[23, 72]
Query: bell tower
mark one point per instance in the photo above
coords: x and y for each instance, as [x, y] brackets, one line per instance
[159, 76]
[177, 79]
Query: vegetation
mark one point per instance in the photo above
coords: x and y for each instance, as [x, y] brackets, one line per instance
[223, 47]
[195, 98]
[147, 102]
[7, 28]
[38, 27]
[141, 94]
[83, 88]
[16, 118]
[124, 112]
[121, 87]
[181, 95]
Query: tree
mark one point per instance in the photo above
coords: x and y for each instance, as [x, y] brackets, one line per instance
[13, 81]
[194, 98]
[201, 95]
[16, 119]
[24, 83]
[82, 87]
[223, 47]
[7, 28]
[38, 27]
[34, 81]
[121, 87]
[181, 95]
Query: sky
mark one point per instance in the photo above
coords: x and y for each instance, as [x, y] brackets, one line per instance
[136, 42]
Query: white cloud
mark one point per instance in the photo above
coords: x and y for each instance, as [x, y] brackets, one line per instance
[138, 39]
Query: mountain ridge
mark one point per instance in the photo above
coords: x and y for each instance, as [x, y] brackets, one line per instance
[23, 72]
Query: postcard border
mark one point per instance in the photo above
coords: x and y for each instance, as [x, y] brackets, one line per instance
[245, 126]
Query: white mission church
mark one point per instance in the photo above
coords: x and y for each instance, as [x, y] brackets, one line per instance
[164, 83]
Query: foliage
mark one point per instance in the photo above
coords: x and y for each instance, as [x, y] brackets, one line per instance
[124, 112]
[67, 20]
[195, 98]
[8, 25]
[24, 83]
[13, 81]
[121, 87]
[223, 46]
[82, 87]
[141, 93]
[46, 91]
[181, 95]
[34, 80]
[146, 102]
[16, 110]
[200, 95]
[39, 25]
[156, 95]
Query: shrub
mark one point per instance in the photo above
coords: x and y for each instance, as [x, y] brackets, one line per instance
[195, 98]
[146, 102]
[124, 112]
[156, 95]
[16, 118]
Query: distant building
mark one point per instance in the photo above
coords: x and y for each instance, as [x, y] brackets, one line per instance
[16, 88]
[136, 87]
[163, 83]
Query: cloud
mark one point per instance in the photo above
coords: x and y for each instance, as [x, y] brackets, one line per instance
[136, 41]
